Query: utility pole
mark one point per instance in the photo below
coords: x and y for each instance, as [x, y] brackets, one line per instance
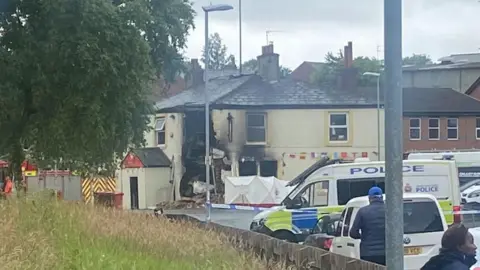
[393, 134]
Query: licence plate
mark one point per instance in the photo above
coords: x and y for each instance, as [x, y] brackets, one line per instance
[412, 251]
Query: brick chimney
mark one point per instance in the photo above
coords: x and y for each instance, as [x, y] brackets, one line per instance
[268, 64]
[196, 74]
[348, 75]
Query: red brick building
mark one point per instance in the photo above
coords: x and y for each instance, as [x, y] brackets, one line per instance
[439, 119]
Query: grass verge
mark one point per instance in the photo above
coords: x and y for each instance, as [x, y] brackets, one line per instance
[44, 234]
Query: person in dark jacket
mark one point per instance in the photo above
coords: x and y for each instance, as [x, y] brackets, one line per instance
[369, 227]
[457, 253]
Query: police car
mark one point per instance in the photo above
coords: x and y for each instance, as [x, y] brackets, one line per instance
[329, 184]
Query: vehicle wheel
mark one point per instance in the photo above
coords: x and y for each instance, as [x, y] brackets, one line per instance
[285, 235]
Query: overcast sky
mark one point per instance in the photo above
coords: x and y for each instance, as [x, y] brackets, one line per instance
[307, 29]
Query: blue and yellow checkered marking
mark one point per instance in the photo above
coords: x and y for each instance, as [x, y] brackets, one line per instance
[299, 220]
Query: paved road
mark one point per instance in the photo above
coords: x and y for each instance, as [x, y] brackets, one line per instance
[233, 218]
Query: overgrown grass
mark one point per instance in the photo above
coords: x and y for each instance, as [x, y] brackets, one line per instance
[46, 234]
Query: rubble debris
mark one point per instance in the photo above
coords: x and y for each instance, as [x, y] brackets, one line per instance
[194, 202]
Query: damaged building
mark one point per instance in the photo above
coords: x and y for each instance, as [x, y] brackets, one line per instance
[262, 124]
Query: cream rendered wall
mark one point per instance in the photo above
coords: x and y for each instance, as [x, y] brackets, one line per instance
[173, 143]
[292, 132]
[157, 186]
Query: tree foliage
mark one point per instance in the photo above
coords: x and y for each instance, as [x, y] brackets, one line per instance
[76, 76]
[417, 60]
[217, 52]
[328, 75]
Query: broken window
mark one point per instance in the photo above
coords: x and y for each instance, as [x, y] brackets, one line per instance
[338, 126]
[256, 128]
[160, 131]
[268, 168]
[247, 168]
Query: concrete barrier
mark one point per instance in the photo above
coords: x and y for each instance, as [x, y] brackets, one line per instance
[293, 256]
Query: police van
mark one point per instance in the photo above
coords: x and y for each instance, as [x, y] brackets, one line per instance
[468, 163]
[329, 184]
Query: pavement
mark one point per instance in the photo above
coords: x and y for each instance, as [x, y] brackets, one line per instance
[233, 218]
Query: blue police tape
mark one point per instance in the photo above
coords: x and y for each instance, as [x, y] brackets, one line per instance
[237, 207]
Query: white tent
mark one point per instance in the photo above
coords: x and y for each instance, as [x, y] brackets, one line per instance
[254, 190]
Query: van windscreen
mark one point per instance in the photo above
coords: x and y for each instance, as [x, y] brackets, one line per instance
[356, 187]
[421, 216]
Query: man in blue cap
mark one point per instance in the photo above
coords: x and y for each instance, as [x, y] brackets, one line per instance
[369, 227]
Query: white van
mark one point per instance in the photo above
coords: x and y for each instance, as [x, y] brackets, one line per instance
[423, 225]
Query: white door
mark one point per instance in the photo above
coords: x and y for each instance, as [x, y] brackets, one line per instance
[342, 243]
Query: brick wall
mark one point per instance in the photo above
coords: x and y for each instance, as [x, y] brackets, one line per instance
[466, 135]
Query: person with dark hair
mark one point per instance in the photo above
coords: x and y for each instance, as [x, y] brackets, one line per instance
[369, 227]
[457, 253]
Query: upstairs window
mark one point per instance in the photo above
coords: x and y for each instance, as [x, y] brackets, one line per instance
[477, 129]
[338, 127]
[160, 131]
[452, 128]
[415, 128]
[256, 128]
[434, 129]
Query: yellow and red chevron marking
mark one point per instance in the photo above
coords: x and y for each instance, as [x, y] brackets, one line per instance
[97, 184]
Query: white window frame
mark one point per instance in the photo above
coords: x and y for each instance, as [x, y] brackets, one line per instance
[419, 128]
[452, 128]
[264, 142]
[330, 126]
[477, 128]
[158, 130]
[433, 128]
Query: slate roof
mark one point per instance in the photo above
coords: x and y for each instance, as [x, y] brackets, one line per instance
[195, 97]
[289, 93]
[438, 101]
[152, 157]
[251, 92]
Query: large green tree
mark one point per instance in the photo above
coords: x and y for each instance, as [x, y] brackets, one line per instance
[217, 52]
[76, 74]
[327, 76]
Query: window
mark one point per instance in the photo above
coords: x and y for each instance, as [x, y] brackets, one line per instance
[434, 129]
[338, 127]
[477, 129]
[256, 128]
[356, 187]
[415, 128]
[421, 216]
[315, 195]
[339, 227]
[160, 130]
[346, 223]
[452, 128]
[326, 224]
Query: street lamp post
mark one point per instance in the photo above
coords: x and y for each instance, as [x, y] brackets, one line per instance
[240, 36]
[376, 74]
[208, 9]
